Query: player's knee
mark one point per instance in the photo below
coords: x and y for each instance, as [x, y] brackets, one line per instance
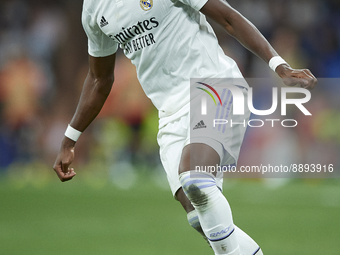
[198, 187]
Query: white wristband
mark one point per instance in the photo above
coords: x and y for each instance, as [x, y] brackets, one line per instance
[274, 62]
[72, 133]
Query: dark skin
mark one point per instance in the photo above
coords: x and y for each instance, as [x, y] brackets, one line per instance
[100, 78]
[97, 87]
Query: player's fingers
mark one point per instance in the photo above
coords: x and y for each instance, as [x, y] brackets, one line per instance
[302, 78]
[295, 81]
[307, 76]
[307, 71]
[65, 164]
[63, 176]
[59, 171]
[66, 176]
[71, 172]
[312, 79]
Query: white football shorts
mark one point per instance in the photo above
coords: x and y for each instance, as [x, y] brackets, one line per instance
[219, 129]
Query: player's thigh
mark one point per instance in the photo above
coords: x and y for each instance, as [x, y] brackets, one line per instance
[171, 140]
[197, 156]
[224, 137]
[210, 146]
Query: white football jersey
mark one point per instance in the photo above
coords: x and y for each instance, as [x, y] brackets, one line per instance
[169, 42]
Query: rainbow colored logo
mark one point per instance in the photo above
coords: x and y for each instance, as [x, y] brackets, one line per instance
[209, 93]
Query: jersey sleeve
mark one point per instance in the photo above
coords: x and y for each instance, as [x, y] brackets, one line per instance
[196, 4]
[99, 44]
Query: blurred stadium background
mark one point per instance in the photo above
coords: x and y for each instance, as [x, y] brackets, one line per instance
[120, 202]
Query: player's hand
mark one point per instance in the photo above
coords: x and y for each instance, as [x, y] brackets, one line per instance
[64, 159]
[296, 77]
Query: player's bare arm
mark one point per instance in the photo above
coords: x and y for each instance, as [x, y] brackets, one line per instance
[250, 37]
[96, 89]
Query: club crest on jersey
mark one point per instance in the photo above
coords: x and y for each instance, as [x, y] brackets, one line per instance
[146, 5]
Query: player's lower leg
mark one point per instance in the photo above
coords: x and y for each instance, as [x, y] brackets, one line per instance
[191, 213]
[247, 245]
[212, 208]
[195, 223]
[213, 211]
[207, 199]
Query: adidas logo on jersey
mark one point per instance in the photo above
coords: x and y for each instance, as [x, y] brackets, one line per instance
[103, 22]
[200, 125]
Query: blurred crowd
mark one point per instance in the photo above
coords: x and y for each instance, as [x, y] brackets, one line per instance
[43, 63]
